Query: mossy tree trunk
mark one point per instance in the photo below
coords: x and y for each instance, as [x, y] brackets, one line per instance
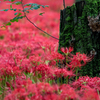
[74, 21]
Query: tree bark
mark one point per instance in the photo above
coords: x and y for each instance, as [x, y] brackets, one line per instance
[74, 22]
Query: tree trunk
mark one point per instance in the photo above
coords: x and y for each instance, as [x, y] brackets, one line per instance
[82, 21]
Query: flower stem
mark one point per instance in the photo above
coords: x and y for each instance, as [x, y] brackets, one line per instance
[76, 73]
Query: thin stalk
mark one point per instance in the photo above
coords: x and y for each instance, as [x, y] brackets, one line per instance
[67, 81]
[76, 73]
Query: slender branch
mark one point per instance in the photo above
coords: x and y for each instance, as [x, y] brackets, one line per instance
[34, 24]
[64, 3]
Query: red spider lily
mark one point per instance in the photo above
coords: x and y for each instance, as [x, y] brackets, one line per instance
[78, 60]
[42, 91]
[20, 83]
[35, 60]
[62, 72]
[67, 50]
[89, 94]
[17, 94]
[54, 55]
[44, 70]
[67, 92]
[74, 63]
[9, 71]
[51, 97]
[81, 57]
[87, 81]
[24, 50]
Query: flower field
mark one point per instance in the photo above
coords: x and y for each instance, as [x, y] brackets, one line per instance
[31, 67]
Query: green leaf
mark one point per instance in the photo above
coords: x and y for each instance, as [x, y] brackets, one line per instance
[17, 3]
[1, 90]
[10, 6]
[28, 4]
[36, 7]
[8, 23]
[15, 13]
[26, 9]
[3, 27]
[33, 81]
[19, 14]
[41, 13]
[15, 19]
[4, 10]
[19, 9]
[11, 9]
[43, 6]
[11, 20]
[14, 9]
[34, 4]
[11, 0]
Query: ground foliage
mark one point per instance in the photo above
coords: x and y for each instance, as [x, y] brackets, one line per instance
[29, 60]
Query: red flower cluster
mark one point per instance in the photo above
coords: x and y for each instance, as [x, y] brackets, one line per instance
[30, 64]
[66, 50]
[78, 60]
[7, 70]
[62, 72]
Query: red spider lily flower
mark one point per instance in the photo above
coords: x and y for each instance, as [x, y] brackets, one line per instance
[20, 83]
[74, 63]
[81, 57]
[17, 94]
[44, 87]
[62, 72]
[9, 70]
[89, 94]
[68, 93]
[56, 56]
[87, 81]
[51, 97]
[79, 60]
[67, 50]
[45, 71]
